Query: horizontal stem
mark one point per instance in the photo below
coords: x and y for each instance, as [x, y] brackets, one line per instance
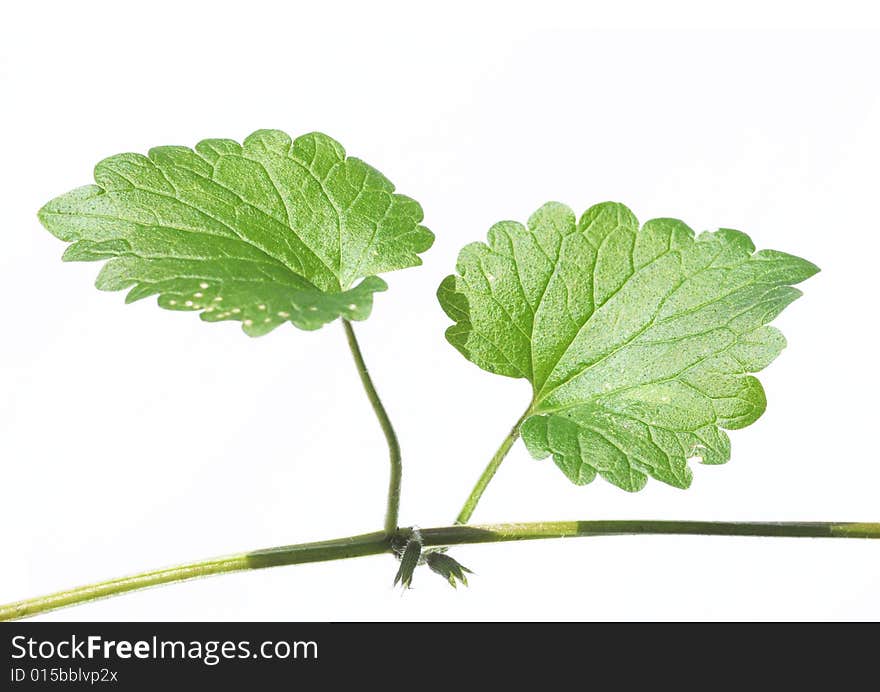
[338, 549]
[497, 533]
[378, 542]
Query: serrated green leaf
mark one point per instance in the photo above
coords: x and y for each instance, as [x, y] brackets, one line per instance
[265, 232]
[638, 342]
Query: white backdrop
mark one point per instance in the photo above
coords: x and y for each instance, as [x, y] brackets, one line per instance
[132, 437]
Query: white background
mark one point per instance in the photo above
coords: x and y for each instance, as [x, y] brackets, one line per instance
[133, 438]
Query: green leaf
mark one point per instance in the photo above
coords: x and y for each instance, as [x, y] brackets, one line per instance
[265, 232]
[638, 342]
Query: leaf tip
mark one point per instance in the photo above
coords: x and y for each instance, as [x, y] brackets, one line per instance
[425, 238]
[43, 215]
[810, 268]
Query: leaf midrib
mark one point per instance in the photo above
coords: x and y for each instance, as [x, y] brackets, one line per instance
[250, 205]
[543, 394]
[672, 378]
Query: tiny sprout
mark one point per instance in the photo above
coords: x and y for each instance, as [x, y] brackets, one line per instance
[409, 560]
[448, 567]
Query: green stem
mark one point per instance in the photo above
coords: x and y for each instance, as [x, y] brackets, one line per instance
[483, 481]
[379, 542]
[393, 505]
[341, 548]
[498, 533]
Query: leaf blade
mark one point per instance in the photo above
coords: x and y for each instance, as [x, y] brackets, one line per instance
[267, 231]
[639, 342]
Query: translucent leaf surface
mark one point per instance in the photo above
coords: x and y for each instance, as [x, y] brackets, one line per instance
[268, 231]
[638, 342]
